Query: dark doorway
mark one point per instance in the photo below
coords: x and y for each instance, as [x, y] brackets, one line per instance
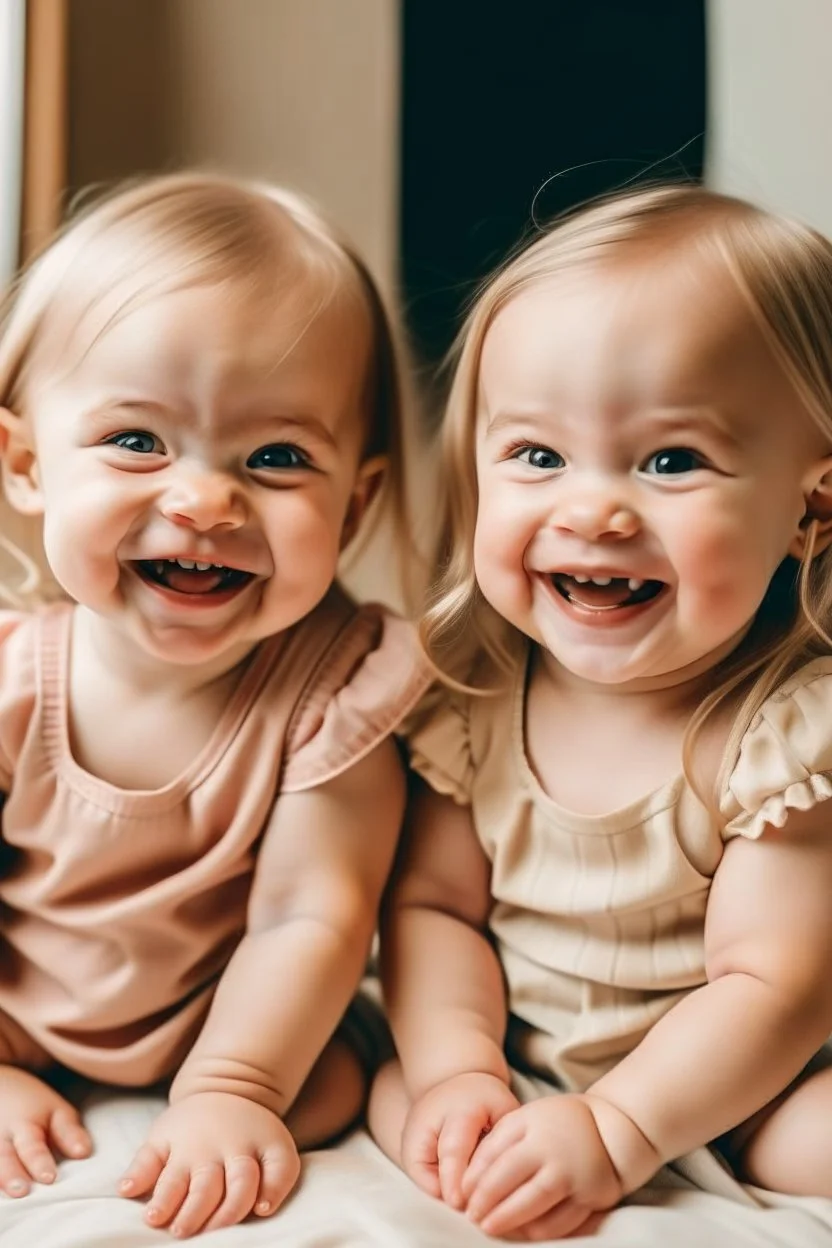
[535, 102]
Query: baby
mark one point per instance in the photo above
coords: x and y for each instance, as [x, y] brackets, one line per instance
[202, 797]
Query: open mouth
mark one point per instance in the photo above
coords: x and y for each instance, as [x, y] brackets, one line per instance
[605, 593]
[187, 576]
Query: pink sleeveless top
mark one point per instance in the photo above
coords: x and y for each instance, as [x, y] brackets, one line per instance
[120, 908]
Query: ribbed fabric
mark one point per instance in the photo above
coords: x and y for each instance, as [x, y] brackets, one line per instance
[120, 908]
[599, 920]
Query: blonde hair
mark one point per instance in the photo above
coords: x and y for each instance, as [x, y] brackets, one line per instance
[181, 230]
[783, 271]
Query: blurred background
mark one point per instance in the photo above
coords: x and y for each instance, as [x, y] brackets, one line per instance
[435, 132]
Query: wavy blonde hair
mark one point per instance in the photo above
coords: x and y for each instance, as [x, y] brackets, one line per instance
[171, 232]
[783, 271]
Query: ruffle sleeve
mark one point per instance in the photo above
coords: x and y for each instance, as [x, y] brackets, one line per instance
[440, 748]
[785, 759]
[371, 678]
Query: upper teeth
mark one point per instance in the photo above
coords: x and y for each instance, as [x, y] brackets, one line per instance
[190, 564]
[633, 583]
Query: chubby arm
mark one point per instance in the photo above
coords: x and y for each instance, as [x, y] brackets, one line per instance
[320, 873]
[442, 980]
[726, 1049]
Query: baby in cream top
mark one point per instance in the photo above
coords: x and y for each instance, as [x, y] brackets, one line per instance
[599, 920]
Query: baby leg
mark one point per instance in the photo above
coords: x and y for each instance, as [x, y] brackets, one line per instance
[335, 1094]
[789, 1145]
[331, 1099]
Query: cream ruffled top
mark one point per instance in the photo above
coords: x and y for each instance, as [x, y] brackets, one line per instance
[599, 920]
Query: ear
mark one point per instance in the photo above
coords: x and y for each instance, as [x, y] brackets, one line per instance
[18, 466]
[817, 491]
[367, 484]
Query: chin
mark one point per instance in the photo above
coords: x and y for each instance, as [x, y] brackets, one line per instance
[188, 648]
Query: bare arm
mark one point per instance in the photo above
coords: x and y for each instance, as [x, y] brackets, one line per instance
[312, 913]
[729, 1047]
[441, 977]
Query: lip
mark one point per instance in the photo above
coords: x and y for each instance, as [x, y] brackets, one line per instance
[595, 618]
[189, 603]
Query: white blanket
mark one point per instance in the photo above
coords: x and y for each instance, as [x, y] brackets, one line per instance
[352, 1197]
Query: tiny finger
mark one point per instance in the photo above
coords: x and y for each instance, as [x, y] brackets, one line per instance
[14, 1180]
[455, 1147]
[143, 1172]
[170, 1191]
[527, 1202]
[504, 1177]
[491, 1148]
[29, 1142]
[68, 1132]
[420, 1160]
[205, 1193]
[242, 1184]
[565, 1221]
[279, 1172]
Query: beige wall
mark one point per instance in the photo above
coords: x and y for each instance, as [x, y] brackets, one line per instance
[300, 91]
[770, 104]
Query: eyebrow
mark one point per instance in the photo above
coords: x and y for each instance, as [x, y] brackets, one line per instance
[679, 420]
[501, 420]
[686, 420]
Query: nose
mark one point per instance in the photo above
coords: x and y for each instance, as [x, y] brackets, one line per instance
[596, 512]
[203, 500]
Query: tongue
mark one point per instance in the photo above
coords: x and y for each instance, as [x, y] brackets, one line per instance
[589, 595]
[193, 582]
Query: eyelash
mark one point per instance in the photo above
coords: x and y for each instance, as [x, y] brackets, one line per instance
[304, 460]
[113, 440]
[514, 449]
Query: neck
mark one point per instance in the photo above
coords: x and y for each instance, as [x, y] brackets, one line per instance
[682, 689]
[122, 660]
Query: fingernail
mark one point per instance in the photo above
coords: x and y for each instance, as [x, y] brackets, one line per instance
[46, 1176]
[152, 1214]
[17, 1187]
[263, 1206]
[126, 1185]
[79, 1150]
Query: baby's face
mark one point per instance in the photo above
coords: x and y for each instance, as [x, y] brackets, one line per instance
[199, 467]
[643, 466]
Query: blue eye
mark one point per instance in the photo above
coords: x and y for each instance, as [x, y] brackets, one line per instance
[673, 462]
[540, 457]
[277, 457]
[136, 440]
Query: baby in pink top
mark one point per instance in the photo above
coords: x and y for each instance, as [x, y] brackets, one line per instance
[198, 403]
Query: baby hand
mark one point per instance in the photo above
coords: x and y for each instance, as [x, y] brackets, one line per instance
[543, 1168]
[444, 1127]
[34, 1122]
[210, 1160]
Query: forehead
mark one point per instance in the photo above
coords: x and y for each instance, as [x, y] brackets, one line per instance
[192, 344]
[657, 330]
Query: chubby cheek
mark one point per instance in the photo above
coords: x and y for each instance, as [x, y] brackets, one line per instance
[82, 536]
[501, 539]
[724, 564]
[305, 539]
